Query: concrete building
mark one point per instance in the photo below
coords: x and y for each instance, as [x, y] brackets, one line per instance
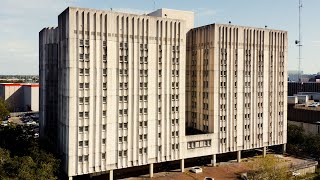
[306, 117]
[237, 86]
[304, 111]
[296, 87]
[121, 81]
[120, 88]
[20, 97]
[48, 72]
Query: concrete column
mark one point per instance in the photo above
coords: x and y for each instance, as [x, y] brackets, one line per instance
[151, 170]
[70, 177]
[182, 165]
[264, 151]
[111, 175]
[284, 148]
[214, 160]
[239, 156]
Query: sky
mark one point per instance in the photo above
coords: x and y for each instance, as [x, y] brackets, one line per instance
[21, 21]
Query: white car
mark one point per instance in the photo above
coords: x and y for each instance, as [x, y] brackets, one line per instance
[295, 174]
[315, 104]
[36, 135]
[31, 123]
[196, 169]
[4, 123]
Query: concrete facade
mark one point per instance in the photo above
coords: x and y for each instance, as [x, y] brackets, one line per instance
[306, 117]
[121, 89]
[48, 78]
[20, 97]
[122, 81]
[186, 16]
[237, 86]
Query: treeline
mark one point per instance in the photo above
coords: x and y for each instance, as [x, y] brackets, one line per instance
[23, 157]
[4, 112]
[302, 143]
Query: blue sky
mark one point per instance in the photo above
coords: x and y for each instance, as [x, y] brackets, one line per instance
[21, 20]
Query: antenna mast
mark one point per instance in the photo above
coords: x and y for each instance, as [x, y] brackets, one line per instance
[299, 42]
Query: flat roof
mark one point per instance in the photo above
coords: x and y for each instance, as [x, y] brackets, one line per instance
[307, 108]
[123, 12]
[241, 26]
[20, 84]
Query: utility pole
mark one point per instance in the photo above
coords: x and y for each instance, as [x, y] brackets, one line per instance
[299, 42]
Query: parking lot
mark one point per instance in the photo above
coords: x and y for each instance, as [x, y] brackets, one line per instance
[224, 171]
[30, 120]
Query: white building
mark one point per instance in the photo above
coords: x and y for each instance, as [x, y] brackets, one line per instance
[118, 82]
[20, 97]
[237, 85]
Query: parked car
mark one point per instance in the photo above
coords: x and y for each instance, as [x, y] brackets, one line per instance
[314, 104]
[208, 178]
[36, 135]
[31, 123]
[196, 169]
[4, 123]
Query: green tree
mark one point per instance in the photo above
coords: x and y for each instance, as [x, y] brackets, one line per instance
[301, 143]
[296, 134]
[4, 112]
[312, 145]
[268, 168]
[21, 156]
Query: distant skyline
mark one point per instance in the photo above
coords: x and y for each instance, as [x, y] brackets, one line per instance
[21, 21]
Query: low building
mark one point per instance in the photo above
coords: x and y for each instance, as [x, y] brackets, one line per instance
[295, 87]
[304, 111]
[306, 117]
[315, 96]
[20, 97]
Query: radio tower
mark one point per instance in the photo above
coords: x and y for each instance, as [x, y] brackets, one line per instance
[299, 42]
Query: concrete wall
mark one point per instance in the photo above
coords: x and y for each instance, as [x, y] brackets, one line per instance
[292, 100]
[312, 95]
[34, 98]
[31, 97]
[48, 73]
[13, 95]
[308, 167]
[105, 44]
[237, 85]
[186, 16]
[199, 145]
[311, 128]
[21, 97]
[307, 170]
